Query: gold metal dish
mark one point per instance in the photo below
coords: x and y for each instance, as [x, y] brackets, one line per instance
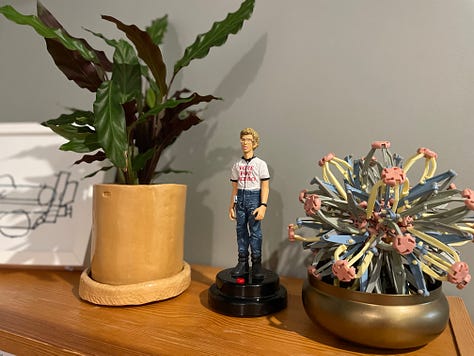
[391, 321]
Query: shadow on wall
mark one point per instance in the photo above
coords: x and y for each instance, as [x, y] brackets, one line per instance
[272, 227]
[207, 162]
[282, 256]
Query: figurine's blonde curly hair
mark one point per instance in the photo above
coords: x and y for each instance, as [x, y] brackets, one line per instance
[255, 135]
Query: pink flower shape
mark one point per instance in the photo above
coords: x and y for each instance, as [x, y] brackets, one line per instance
[404, 244]
[469, 195]
[313, 271]
[459, 273]
[465, 281]
[393, 175]
[302, 196]
[326, 159]
[312, 204]
[342, 271]
[427, 152]
[381, 144]
[291, 232]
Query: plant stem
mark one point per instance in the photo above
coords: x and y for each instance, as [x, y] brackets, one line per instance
[169, 85]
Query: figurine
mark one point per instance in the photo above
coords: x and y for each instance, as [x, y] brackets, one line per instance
[250, 189]
[239, 291]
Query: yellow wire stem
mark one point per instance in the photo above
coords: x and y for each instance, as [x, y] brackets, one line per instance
[335, 182]
[372, 197]
[432, 241]
[406, 187]
[307, 239]
[405, 191]
[365, 264]
[344, 163]
[425, 172]
[325, 172]
[434, 165]
[396, 197]
[362, 251]
[345, 169]
[460, 243]
[340, 169]
[339, 251]
[466, 228]
[432, 273]
[430, 169]
[412, 160]
[436, 260]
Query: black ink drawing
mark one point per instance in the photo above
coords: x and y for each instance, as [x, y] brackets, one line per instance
[24, 207]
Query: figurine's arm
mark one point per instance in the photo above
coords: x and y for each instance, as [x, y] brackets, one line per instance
[232, 201]
[264, 191]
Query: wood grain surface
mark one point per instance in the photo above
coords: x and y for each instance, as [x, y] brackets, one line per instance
[42, 314]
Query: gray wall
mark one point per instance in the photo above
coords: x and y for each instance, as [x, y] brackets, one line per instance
[311, 76]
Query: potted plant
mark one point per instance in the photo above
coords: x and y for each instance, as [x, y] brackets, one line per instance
[382, 245]
[134, 118]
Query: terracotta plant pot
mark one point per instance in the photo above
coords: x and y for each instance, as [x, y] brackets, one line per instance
[391, 321]
[137, 245]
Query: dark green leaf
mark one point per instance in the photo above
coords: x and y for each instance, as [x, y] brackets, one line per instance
[46, 32]
[175, 127]
[110, 124]
[170, 103]
[49, 20]
[150, 98]
[71, 131]
[98, 156]
[76, 128]
[82, 144]
[110, 42]
[157, 29]
[173, 123]
[147, 51]
[84, 72]
[193, 99]
[217, 35]
[80, 117]
[152, 84]
[140, 160]
[127, 73]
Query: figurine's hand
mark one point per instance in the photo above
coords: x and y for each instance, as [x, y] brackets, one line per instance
[231, 214]
[259, 213]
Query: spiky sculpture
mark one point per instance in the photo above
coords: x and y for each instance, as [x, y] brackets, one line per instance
[371, 231]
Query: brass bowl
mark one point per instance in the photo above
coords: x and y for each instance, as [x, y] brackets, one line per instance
[390, 321]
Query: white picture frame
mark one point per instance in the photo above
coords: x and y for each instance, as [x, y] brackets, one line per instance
[45, 200]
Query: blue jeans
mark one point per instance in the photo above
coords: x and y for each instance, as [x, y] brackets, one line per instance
[249, 231]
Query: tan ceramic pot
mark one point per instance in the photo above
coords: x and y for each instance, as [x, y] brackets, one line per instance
[137, 244]
[389, 321]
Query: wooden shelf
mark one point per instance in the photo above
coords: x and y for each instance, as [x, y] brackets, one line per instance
[42, 314]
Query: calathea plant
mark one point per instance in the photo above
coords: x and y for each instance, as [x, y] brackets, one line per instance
[135, 115]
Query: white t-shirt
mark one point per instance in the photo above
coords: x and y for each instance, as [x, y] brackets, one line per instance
[249, 173]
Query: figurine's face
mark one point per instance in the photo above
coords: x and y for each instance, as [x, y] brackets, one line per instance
[246, 143]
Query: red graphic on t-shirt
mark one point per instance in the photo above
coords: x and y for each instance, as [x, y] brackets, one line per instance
[246, 174]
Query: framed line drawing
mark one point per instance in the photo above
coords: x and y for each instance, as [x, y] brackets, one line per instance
[45, 201]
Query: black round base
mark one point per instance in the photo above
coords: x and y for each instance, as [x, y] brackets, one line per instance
[247, 297]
